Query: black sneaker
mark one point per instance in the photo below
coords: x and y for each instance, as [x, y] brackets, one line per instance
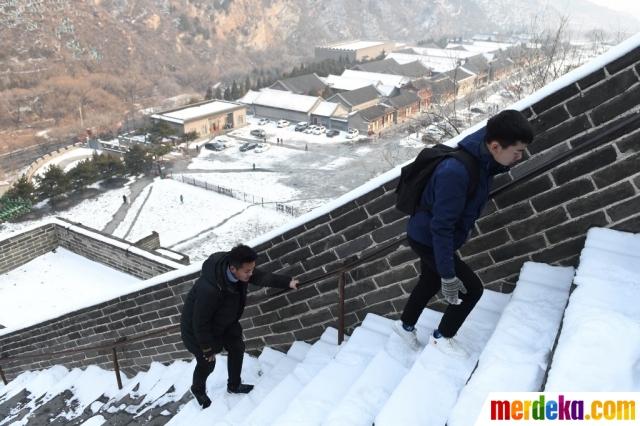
[202, 399]
[240, 389]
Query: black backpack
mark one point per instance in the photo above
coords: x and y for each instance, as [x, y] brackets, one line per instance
[414, 176]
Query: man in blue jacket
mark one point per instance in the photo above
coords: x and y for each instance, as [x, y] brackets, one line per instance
[211, 312]
[435, 235]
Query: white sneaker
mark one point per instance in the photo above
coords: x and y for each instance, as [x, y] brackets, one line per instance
[409, 337]
[449, 346]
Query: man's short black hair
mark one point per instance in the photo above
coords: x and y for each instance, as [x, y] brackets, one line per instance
[508, 128]
[241, 254]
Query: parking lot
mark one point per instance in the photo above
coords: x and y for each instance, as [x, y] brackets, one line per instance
[317, 167]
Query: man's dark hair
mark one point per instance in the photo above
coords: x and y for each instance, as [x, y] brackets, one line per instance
[241, 254]
[508, 128]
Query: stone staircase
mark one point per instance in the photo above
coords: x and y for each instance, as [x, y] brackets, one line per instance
[370, 379]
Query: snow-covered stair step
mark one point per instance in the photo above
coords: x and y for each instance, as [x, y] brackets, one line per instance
[274, 404]
[430, 389]
[599, 344]
[147, 394]
[221, 402]
[326, 390]
[20, 396]
[516, 356]
[280, 370]
[67, 398]
[368, 394]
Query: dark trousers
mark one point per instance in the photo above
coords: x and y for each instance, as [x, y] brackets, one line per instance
[234, 346]
[428, 286]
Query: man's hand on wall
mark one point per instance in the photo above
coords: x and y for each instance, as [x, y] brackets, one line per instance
[293, 285]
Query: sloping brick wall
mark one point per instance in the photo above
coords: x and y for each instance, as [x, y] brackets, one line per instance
[542, 220]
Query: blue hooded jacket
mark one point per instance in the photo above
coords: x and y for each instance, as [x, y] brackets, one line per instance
[446, 226]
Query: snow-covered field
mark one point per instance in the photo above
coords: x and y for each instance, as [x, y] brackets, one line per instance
[43, 287]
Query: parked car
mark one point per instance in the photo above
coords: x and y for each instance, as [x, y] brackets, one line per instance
[310, 129]
[248, 146]
[434, 132]
[282, 123]
[301, 126]
[224, 141]
[515, 88]
[428, 138]
[259, 133]
[414, 128]
[319, 130]
[352, 133]
[262, 147]
[333, 132]
[456, 121]
[478, 110]
[213, 146]
[263, 121]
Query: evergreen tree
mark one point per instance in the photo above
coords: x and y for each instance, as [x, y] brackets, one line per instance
[247, 85]
[235, 91]
[227, 94]
[21, 189]
[209, 95]
[218, 93]
[85, 173]
[53, 184]
[137, 159]
[259, 83]
[189, 136]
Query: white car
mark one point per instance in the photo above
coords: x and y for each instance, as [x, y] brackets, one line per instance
[282, 123]
[352, 133]
[310, 129]
[319, 130]
[262, 147]
[263, 121]
[434, 131]
[224, 141]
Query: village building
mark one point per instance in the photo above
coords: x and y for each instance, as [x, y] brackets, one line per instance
[354, 50]
[204, 117]
[357, 99]
[309, 84]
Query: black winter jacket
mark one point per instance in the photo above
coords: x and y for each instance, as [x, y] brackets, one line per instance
[215, 304]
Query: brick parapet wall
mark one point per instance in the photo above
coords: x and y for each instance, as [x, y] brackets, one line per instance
[145, 311]
[150, 242]
[20, 249]
[115, 256]
[542, 220]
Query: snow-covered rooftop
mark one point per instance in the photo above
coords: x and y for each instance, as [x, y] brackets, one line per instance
[325, 108]
[354, 45]
[437, 64]
[388, 79]
[190, 113]
[249, 97]
[349, 83]
[443, 53]
[286, 100]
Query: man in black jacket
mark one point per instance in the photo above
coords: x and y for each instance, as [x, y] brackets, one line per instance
[212, 310]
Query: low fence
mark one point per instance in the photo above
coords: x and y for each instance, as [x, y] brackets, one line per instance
[248, 198]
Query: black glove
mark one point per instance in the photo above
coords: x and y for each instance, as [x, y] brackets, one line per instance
[450, 288]
[208, 352]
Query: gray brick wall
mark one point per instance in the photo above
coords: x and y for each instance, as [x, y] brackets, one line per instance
[543, 220]
[111, 255]
[18, 250]
[150, 242]
[141, 312]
